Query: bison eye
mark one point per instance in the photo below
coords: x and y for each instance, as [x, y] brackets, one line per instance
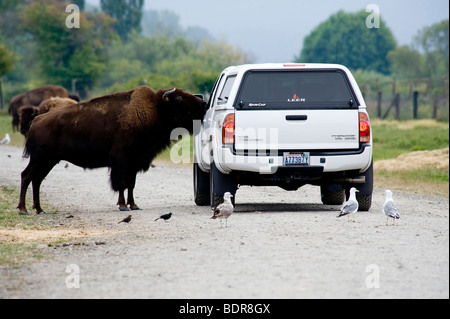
[179, 99]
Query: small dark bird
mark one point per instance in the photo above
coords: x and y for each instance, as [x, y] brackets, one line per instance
[165, 217]
[126, 220]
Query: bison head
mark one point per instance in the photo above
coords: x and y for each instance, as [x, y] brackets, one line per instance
[27, 114]
[180, 108]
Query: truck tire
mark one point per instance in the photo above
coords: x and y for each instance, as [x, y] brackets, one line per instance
[201, 186]
[332, 194]
[365, 202]
[364, 196]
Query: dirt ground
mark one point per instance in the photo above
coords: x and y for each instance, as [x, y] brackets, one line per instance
[277, 244]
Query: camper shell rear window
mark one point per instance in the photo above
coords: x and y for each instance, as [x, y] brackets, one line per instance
[299, 89]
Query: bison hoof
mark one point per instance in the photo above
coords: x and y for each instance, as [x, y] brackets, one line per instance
[123, 208]
[23, 212]
[134, 207]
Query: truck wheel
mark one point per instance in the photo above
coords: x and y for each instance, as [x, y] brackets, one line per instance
[220, 184]
[364, 197]
[365, 202]
[332, 194]
[201, 186]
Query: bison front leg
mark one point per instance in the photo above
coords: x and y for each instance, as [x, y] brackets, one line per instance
[130, 200]
[121, 201]
[131, 184]
[123, 176]
[118, 181]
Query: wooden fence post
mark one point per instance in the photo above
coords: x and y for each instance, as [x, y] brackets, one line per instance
[435, 107]
[380, 99]
[397, 106]
[1, 95]
[415, 104]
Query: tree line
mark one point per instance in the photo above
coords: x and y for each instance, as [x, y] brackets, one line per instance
[111, 51]
[373, 52]
[107, 53]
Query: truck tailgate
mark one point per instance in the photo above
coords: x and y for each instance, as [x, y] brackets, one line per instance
[296, 129]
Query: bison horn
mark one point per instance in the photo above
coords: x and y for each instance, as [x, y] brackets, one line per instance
[166, 95]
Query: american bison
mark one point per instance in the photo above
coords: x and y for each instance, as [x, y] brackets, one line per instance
[29, 112]
[123, 131]
[35, 97]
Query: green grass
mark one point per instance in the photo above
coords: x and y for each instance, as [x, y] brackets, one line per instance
[13, 254]
[392, 138]
[428, 174]
[431, 181]
[9, 217]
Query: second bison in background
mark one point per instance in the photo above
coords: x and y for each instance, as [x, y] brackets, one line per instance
[35, 97]
[123, 131]
[29, 112]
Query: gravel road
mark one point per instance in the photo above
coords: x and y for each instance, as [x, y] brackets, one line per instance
[277, 244]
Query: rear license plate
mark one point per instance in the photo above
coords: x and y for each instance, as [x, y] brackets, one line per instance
[296, 159]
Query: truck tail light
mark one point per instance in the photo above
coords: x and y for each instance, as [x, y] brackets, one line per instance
[364, 128]
[228, 129]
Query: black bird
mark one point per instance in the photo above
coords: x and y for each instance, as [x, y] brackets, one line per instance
[165, 217]
[126, 220]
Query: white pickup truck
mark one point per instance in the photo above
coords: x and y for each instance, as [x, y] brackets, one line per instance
[285, 125]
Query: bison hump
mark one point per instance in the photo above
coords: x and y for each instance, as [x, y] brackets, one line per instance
[141, 112]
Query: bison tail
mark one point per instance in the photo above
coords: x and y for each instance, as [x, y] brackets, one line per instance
[26, 150]
[26, 153]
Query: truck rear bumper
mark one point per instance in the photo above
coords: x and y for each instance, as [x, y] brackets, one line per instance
[228, 161]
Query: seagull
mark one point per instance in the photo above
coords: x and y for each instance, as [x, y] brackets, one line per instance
[165, 217]
[350, 206]
[6, 140]
[390, 209]
[224, 210]
[126, 220]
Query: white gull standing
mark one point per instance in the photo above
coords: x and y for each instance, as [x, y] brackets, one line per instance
[351, 206]
[224, 210]
[390, 209]
[6, 140]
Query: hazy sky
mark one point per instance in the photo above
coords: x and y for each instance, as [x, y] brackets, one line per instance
[273, 30]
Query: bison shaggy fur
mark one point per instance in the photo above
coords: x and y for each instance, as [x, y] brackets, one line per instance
[123, 131]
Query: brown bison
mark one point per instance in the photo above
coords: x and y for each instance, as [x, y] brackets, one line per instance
[29, 112]
[123, 131]
[35, 97]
